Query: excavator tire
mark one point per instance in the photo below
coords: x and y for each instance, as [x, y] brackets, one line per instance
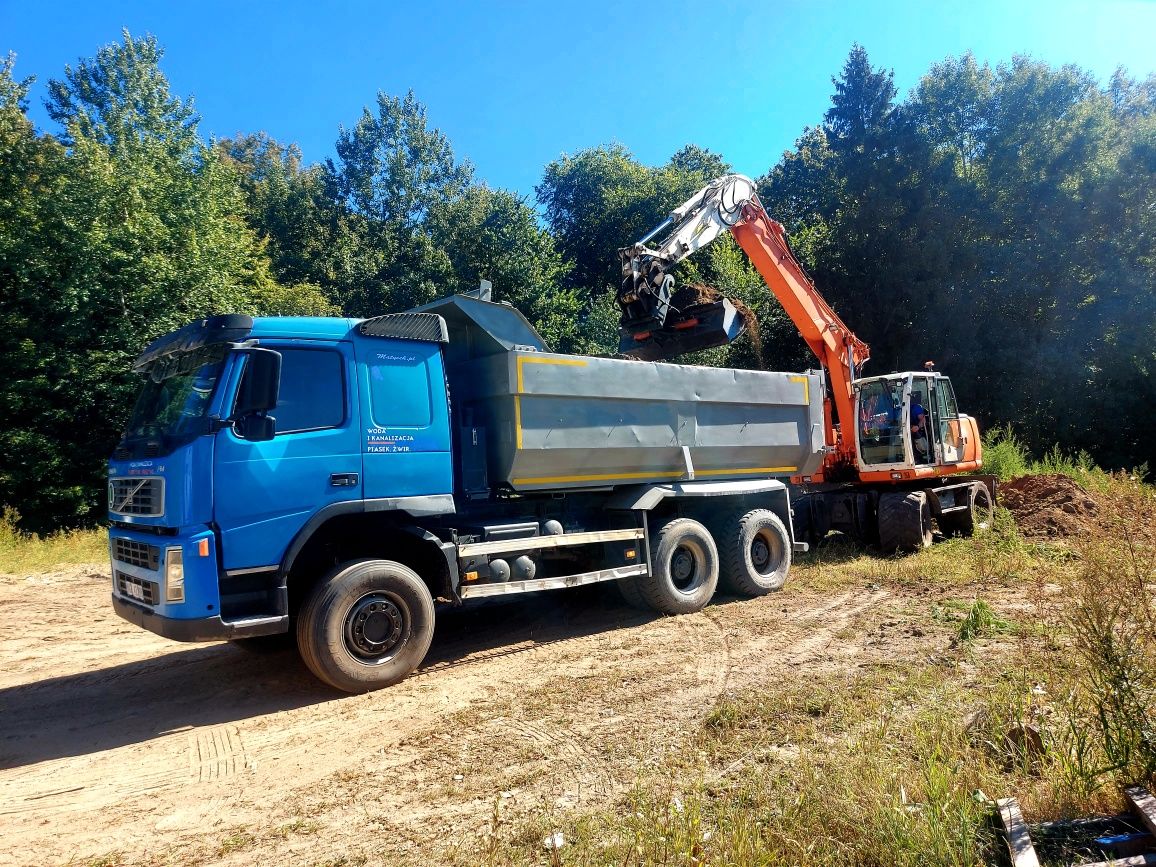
[976, 518]
[755, 553]
[904, 522]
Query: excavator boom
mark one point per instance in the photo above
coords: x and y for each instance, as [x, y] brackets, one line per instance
[653, 327]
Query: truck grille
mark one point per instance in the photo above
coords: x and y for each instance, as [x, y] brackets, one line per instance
[147, 592]
[136, 496]
[136, 553]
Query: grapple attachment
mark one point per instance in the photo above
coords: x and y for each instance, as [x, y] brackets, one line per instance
[699, 326]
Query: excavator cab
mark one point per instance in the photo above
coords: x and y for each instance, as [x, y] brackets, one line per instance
[908, 420]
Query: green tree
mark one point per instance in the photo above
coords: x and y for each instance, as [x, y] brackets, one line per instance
[602, 199]
[134, 229]
[391, 170]
[492, 235]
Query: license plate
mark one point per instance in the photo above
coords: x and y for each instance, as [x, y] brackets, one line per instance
[134, 590]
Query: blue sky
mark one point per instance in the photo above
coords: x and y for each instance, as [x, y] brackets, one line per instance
[514, 84]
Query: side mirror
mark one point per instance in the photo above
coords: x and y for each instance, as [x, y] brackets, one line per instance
[260, 383]
[255, 428]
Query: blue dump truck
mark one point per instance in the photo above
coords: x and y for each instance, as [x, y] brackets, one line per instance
[342, 480]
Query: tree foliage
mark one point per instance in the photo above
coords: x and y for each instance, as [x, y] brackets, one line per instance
[126, 228]
[998, 220]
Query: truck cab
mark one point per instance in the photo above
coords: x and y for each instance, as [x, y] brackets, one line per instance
[207, 489]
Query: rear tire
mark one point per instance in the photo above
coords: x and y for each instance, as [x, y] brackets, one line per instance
[977, 517]
[367, 625]
[755, 553]
[904, 522]
[683, 569]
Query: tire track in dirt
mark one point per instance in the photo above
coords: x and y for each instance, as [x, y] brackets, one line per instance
[215, 753]
[575, 690]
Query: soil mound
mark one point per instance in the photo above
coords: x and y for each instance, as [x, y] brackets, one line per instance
[1051, 505]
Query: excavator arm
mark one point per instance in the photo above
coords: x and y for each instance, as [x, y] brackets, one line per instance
[653, 328]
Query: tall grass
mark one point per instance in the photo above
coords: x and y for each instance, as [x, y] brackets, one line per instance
[1111, 617]
[1003, 454]
[1006, 457]
[22, 552]
[899, 764]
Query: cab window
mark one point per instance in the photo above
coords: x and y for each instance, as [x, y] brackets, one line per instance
[312, 393]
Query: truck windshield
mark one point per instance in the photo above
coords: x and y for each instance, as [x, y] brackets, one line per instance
[175, 407]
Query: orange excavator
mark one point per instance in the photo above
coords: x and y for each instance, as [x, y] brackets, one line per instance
[899, 458]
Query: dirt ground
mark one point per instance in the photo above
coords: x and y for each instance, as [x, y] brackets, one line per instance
[119, 747]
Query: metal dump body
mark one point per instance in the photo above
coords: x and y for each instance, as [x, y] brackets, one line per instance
[547, 421]
[565, 421]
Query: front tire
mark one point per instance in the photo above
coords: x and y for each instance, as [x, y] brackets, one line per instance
[683, 568]
[904, 522]
[367, 625]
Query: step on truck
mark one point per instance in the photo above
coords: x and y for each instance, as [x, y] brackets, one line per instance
[343, 480]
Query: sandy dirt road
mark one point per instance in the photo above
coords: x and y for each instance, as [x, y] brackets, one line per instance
[118, 747]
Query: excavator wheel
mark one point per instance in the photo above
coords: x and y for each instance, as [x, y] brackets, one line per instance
[976, 518]
[904, 521]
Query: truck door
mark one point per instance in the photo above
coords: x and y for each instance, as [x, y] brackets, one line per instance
[405, 423]
[265, 492]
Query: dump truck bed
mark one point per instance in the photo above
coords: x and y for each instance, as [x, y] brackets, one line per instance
[532, 420]
[565, 421]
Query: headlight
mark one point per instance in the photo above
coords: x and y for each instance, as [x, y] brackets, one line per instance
[174, 575]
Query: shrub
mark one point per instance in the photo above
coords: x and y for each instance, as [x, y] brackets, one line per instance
[1003, 454]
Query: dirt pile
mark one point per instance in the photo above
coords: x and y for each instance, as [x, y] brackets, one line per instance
[1050, 505]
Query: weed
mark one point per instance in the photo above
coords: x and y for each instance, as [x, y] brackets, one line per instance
[297, 826]
[1003, 454]
[1111, 617]
[981, 621]
[237, 839]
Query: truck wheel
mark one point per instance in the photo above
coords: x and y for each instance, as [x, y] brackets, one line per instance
[683, 569]
[977, 517]
[368, 624]
[755, 551]
[904, 522]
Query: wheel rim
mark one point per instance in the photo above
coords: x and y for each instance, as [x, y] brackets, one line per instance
[766, 552]
[686, 567]
[376, 628]
[981, 510]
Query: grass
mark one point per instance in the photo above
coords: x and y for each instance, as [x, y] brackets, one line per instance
[22, 552]
[900, 764]
[981, 622]
[1006, 457]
